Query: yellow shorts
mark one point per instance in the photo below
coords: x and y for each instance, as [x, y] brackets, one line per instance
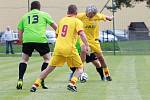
[72, 61]
[95, 46]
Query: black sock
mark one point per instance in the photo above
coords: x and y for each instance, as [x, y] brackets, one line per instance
[22, 69]
[73, 69]
[100, 71]
[44, 66]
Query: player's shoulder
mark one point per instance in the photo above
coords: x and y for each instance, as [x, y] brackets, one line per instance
[44, 13]
[81, 15]
[78, 21]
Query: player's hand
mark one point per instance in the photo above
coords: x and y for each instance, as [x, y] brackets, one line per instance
[19, 42]
[109, 18]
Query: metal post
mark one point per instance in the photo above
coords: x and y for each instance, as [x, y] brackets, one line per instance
[113, 12]
[28, 5]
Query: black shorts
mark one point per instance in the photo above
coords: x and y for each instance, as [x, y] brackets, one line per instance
[42, 48]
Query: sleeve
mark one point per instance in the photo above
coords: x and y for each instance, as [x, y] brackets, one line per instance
[49, 19]
[20, 25]
[101, 16]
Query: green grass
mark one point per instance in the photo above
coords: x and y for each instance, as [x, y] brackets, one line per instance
[130, 81]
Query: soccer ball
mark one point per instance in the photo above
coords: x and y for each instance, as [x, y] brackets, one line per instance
[83, 77]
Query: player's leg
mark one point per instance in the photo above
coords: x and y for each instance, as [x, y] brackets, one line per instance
[73, 69]
[44, 66]
[27, 49]
[95, 46]
[22, 70]
[54, 61]
[99, 68]
[42, 76]
[43, 49]
[92, 58]
[82, 51]
[77, 62]
[104, 66]
[72, 84]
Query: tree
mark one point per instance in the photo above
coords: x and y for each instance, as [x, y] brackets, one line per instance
[129, 3]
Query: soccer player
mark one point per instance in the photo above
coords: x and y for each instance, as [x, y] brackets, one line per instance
[91, 19]
[88, 58]
[69, 29]
[31, 29]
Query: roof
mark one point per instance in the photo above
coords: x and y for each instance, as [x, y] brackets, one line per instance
[138, 26]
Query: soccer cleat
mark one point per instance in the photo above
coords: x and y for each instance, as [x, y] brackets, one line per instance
[72, 87]
[33, 89]
[43, 85]
[19, 84]
[108, 78]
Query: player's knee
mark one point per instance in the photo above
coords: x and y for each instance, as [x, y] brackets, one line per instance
[46, 58]
[91, 57]
[73, 69]
[101, 59]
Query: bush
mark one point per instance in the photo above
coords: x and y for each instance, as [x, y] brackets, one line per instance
[109, 46]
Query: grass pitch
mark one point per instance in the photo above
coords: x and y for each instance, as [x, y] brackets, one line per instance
[130, 76]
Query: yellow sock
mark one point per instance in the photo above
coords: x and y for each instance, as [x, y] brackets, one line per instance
[74, 80]
[37, 83]
[106, 72]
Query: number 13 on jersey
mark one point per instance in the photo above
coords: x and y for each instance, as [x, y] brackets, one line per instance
[34, 18]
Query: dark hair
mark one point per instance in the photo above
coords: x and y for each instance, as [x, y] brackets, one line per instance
[35, 5]
[72, 9]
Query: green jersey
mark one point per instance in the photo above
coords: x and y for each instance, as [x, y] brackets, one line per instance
[78, 46]
[34, 24]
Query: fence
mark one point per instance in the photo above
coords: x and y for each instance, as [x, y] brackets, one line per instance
[122, 45]
[131, 42]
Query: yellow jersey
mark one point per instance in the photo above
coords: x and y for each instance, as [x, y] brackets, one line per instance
[91, 25]
[67, 31]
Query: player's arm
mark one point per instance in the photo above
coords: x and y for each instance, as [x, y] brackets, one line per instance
[50, 21]
[20, 30]
[104, 17]
[20, 33]
[84, 39]
[54, 26]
